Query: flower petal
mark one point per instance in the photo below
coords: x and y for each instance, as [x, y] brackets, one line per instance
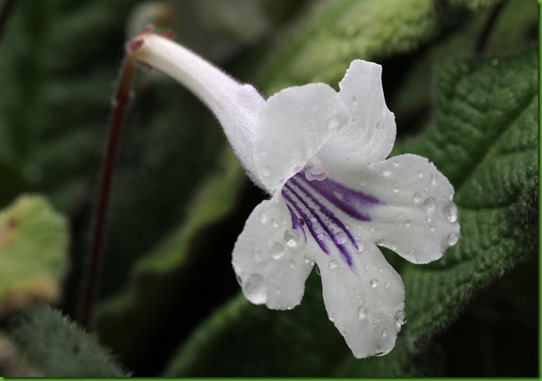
[366, 305]
[292, 127]
[269, 257]
[417, 218]
[370, 134]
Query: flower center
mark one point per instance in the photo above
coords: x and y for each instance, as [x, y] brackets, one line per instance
[316, 207]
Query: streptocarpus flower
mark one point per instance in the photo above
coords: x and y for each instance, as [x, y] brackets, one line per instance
[321, 156]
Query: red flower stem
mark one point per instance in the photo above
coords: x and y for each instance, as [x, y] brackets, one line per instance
[120, 103]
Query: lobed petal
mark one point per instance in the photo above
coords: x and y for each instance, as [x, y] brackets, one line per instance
[370, 133]
[366, 305]
[269, 257]
[291, 128]
[417, 218]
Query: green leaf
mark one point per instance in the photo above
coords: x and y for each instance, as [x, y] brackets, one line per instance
[484, 139]
[321, 45]
[33, 253]
[55, 347]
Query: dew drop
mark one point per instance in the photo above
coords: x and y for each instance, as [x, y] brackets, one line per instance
[266, 171]
[417, 197]
[333, 265]
[334, 123]
[452, 239]
[408, 223]
[289, 307]
[263, 217]
[400, 318]
[354, 100]
[433, 179]
[450, 211]
[255, 289]
[359, 247]
[420, 173]
[429, 203]
[277, 250]
[387, 284]
[274, 222]
[362, 313]
[395, 188]
[379, 126]
[292, 237]
[330, 317]
[292, 264]
[374, 282]
[257, 256]
[384, 333]
[386, 172]
[340, 237]
[393, 246]
[307, 260]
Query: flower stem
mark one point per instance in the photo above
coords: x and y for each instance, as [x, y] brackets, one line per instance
[120, 103]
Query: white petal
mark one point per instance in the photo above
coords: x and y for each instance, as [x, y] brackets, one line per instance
[370, 134]
[366, 303]
[235, 105]
[292, 127]
[270, 264]
[417, 218]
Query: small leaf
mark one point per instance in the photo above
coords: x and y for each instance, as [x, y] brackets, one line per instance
[33, 253]
[58, 348]
[484, 138]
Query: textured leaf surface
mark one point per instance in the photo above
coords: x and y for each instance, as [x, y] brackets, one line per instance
[55, 347]
[484, 138]
[321, 45]
[33, 253]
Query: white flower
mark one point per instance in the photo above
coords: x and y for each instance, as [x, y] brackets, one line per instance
[335, 198]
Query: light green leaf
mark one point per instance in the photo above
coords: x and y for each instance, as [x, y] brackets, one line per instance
[484, 139]
[55, 347]
[33, 253]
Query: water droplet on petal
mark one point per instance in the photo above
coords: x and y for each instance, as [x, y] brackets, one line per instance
[400, 318]
[429, 203]
[274, 222]
[451, 212]
[359, 247]
[384, 333]
[257, 256]
[333, 265]
[379, 126]
[266, 171]
[362, 313]
[292, 237]
[452, 239]
[417, 197]
[420, 173]
[277, 250]
[387, 284]
[334, 123]
[395, 188]
[340, 237]
[407, 223]
[374, 282]
[263, 217]
[255, 289]
[433, 179]
[393, 246]
[386, 172]
[289, 307]
[354, 100]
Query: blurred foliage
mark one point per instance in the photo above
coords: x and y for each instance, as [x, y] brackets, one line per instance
[180, 198]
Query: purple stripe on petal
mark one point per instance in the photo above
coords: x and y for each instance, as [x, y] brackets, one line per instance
[297, 222]
[290, 202]
[326, 212]
[350, 201]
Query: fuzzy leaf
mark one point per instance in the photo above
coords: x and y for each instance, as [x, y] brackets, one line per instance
[332, 33]
[55, 347]
[33, 253]
[484, 138]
